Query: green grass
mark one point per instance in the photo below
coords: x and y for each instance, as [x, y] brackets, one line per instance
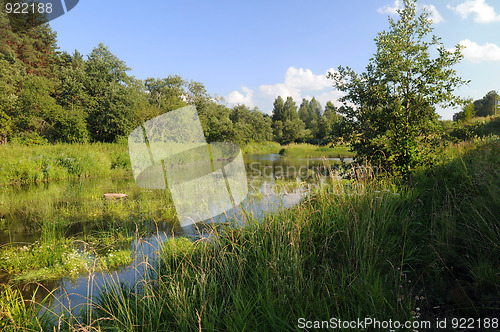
[65, 217]
[18, 314]
[56, 258]
[377, 248]
[261, 147]
[313, 151]
[428, 251]
[22, 164]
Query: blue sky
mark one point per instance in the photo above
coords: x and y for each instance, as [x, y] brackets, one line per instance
[252, 51]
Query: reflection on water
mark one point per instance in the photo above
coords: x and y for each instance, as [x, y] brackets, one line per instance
[274, 183]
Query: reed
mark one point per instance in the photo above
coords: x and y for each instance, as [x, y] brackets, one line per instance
[375, 247]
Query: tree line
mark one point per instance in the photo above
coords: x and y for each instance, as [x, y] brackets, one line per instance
[487, 106]
[387, 114]
[51, 96]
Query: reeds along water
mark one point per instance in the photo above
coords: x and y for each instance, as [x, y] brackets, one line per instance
[390, 251]
[35, 164]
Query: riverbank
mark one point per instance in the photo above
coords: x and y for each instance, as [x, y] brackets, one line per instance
[36, 164]
[379, 249]
[22, 165]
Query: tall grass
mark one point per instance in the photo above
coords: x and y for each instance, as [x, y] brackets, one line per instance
[340, 254]
[304, 150]
[427, 251]
[22, 164]
[261, 147]
[461, 204]
[18, 314]
[374, 248]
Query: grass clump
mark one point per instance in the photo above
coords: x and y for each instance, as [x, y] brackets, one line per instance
[56, 259]
[462, 200]
[368, 248]
[18, 314]
[334, 256]
[304, 150]
[34, 164]
[261, 147]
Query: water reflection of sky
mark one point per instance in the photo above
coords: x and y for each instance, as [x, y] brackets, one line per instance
[274, 183]
[265, 196]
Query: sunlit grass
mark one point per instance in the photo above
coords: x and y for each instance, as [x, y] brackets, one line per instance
[313, 151]
[22, 164]
[368, 248]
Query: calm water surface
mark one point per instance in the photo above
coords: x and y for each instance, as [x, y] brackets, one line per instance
[23, 207]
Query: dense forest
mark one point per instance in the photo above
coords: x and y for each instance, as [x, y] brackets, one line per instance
[52, 96]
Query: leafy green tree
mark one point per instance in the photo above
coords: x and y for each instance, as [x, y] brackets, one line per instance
[467, 113]
[304, 113]
[293, 126]
[167, 93]
[486, 105]
[330, 113]
[36, 105]
[110, 106]
[327, 122]
[69, 125]
[278, 118]
[278, 109]
[315, 110]
[10, 77]
[250, 125]
[389, 115]
[30, 40]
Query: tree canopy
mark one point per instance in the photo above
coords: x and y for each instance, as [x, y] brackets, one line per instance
[389, 110]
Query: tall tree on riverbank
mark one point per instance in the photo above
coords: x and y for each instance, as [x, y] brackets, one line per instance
[389, 115]
[110, 107]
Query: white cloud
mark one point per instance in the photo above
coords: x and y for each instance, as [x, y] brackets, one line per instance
[245, 98]
[305, 79]
[323, 98]
[280, 89]
[483, 12]
[479, 53]
[391, 10]
[435, 16]
[298, 83]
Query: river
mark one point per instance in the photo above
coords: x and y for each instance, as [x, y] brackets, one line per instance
[274, 182]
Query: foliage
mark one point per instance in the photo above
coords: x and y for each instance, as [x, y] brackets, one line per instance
[389, 109]
[477, 127]
[30, 164]
[250, 125]
[48, 96]
[287, 125]
[487, 106]
[467, 113]
[313, 151]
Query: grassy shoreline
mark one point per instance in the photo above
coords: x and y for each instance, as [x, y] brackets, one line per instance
[387, 252]
[37, 164]
[425, 252]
